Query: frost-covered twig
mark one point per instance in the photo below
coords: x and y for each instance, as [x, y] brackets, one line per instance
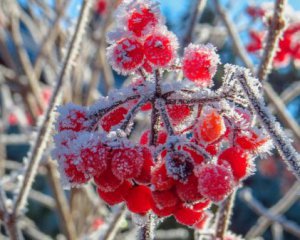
[275, 32]
[281, 141]
[224, 215]
[145, 232]
[44, 131]
[62, 204]
[197, 8]
[115, 224]
[288, 225]
[279, 208]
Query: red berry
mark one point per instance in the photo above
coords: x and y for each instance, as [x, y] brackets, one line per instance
[215, 181]
[250, 140]
[139, 199]
[163, 212]
[160, 179]
[202, 223]
[188, 191]
[188, 216]
[101, 6]
[127, 162]
[196, 157]
[107, 182]
[145, 138]
[200, 63]
[94, 158]
[178, 113]
[147, 67]
[145, 176]
[140, 20]
[256, 43]
[72, 117]
[237, 160]
[72, 172]
[211, 126]
[126, 55]
[202, 205]
[113, 118]
[179, 165]
[116, 196]
[165, 199]
[160, 49]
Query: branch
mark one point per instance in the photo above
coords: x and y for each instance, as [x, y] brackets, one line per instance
[275, 32]
[279, 208]
[282, 143]
[256, 206]
[45, 129]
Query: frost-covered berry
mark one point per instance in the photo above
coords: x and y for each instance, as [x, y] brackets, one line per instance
[238, 160]
[163, 212]
[113, 118]
[161, 139]
[251, 140]
[145, 175]
[160, 48]
[139, 199]
[188, 216]
[196, 157]
[73, 173]
[179, 165]
[117, 196]
[202, 205]
[165, 199]
[199, 63]
[72, 117]
[178, 113]
[211, 125]
[141, 19]
[107, 182]
[160, 179]
[127, 162]
[126, 55]
[93, 155]
[188, 191]
[101, 6]
[215, 182]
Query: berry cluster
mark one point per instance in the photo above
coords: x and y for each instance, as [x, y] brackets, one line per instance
[200, 143]
[289, 46]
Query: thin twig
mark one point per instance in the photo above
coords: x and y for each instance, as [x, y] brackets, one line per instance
[44, 131]
[275, 32]
[224, 215]
[256, 206]
[279, 208]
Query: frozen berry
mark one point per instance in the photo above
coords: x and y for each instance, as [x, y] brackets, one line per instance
[140, 20]
[188, 191]
[72, 117]
[160, 179]
[73, 174]
[211, 125]
[145, 138]
[178, 113]
[200, 63]
[139, 199]
[160, 48]
[113, 118]
[237, 160]
[107, 182]
[165, 199]
[145, 176]
[116, 196]
[214, 181]
[126, 55]
[188, 216]
[179, 165]
[127, 162]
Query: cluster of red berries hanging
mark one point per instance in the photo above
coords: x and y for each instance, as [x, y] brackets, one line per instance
[200, 143]
[289, 45]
